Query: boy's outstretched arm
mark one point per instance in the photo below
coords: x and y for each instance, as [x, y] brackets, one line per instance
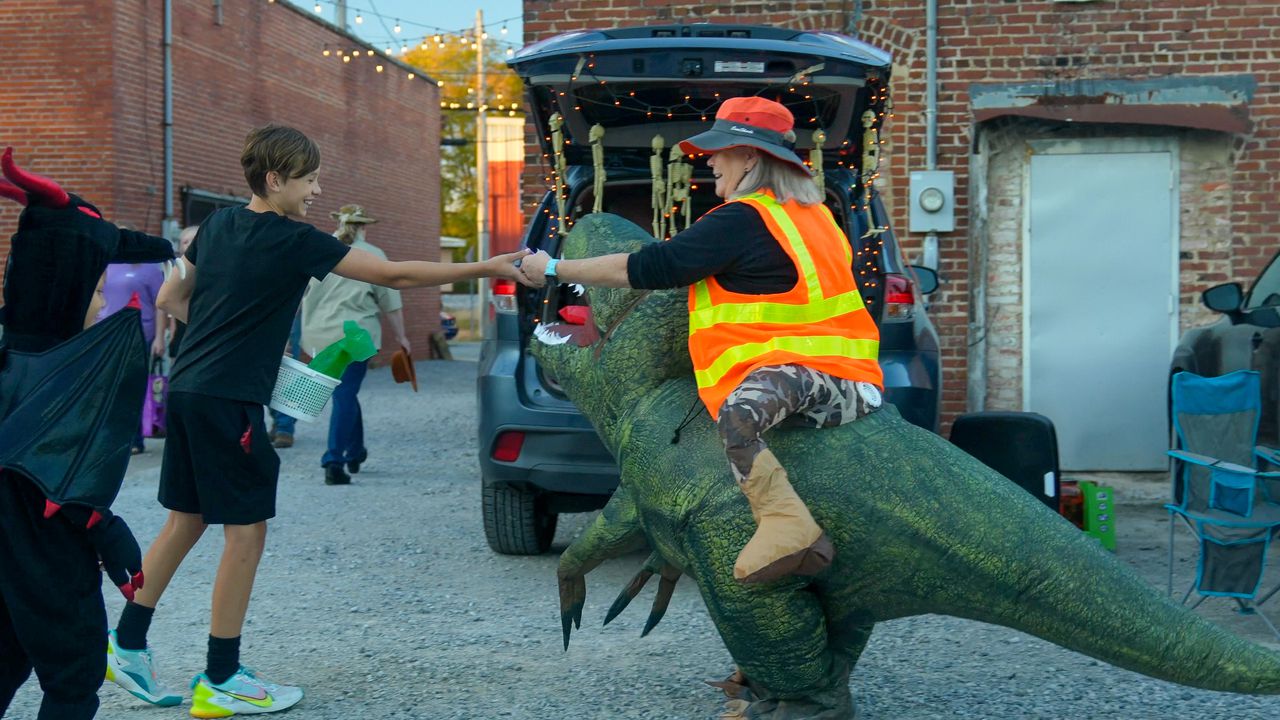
[360, 265]
[175, 293]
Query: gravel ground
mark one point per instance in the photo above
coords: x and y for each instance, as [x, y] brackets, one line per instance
[382, 600]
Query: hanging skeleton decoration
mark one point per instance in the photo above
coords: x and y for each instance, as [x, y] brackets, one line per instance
[557, 145]
[679, 179]
[596, 137]
[815, 159]
[870, 166]
[658, 199]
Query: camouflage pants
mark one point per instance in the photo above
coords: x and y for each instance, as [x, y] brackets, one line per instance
[796, 394]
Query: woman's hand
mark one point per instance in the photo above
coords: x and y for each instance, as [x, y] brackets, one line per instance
[534, 269]
[157, 345]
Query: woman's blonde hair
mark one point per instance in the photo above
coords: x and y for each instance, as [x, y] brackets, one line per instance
[783, 179]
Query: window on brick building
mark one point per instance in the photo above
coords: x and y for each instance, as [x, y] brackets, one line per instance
[200, 204]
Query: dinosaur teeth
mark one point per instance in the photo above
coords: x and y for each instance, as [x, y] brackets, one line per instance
[579, 289]
[547, 336]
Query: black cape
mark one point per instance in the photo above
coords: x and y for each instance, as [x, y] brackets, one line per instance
[68, 415]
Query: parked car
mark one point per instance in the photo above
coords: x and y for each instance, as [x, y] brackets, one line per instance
[539, 456]
[448, 324]
[1246, 337]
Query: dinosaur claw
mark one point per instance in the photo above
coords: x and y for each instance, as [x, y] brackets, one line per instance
[566, 626]
[628, 594]
[573, 594]
[666, 587]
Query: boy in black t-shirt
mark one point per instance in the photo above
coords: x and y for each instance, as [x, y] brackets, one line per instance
[246, 272]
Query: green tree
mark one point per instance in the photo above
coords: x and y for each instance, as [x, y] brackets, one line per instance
[451, 60]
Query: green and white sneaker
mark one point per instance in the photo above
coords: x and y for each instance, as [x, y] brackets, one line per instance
[242, 694]
[135, 671]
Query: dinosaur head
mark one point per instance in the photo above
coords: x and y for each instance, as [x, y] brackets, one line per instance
[61, 249]
[640, 336]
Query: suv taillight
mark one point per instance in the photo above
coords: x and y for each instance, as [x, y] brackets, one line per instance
[507, 447]
[899, 297]
[504, 296]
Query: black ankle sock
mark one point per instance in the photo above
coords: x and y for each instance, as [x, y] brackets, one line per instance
[131, 631]
[223, 660]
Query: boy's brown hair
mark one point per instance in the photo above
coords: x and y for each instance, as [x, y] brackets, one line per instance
[277, 148]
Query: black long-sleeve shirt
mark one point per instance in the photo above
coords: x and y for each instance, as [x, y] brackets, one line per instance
[731, 242]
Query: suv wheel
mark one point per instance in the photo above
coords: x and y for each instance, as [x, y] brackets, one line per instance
[516, 521]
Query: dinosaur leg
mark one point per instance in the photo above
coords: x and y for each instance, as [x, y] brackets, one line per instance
[776, 633]
[787, 541]
[615, 532]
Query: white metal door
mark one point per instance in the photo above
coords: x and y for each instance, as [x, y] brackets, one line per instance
[1100, 284]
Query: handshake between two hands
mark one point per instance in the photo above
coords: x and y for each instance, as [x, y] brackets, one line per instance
[532, 268]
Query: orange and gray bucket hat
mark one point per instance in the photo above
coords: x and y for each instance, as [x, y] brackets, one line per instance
[752, 122]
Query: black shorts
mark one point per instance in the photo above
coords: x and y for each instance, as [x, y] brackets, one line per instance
[218, 460]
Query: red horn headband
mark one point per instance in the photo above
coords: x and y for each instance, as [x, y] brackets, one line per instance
[41, 187]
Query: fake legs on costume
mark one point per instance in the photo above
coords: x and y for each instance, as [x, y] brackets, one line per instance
[283, 423]
[346, 422]
[787, 541]
[51, 611]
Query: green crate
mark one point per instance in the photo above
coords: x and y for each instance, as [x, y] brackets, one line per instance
[1100, 513]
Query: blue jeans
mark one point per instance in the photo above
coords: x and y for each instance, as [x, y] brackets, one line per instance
[283, 423]
[346, 423]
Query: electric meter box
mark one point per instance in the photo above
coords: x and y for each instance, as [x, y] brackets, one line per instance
[933, 201]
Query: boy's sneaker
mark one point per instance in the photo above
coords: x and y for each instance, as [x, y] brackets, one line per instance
[244, 693]
[135, 671]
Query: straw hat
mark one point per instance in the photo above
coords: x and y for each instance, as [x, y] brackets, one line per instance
[351, 214]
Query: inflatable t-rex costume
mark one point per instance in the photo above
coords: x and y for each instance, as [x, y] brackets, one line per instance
[897, 501]
[69, 407]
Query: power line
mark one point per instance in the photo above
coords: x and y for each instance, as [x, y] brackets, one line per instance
[373, 12]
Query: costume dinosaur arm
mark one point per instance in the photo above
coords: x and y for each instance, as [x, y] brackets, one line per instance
[615, 532]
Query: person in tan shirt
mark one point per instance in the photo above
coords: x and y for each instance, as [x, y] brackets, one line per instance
[325, 306]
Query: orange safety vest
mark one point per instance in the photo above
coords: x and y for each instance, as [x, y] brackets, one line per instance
[820, 323]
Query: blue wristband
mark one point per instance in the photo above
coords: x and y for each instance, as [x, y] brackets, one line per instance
[551, 267]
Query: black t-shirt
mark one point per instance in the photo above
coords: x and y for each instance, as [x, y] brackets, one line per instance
[251, 270]
[731, 242]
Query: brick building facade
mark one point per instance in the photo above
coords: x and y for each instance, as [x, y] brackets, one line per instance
[1024, 88]
[83, 103]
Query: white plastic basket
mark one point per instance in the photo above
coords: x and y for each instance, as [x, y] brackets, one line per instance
[301, 392]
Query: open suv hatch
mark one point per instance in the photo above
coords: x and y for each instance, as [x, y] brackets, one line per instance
[539, 456]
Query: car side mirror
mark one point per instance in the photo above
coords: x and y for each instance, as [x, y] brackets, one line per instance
[926, 278]
[1225, 298]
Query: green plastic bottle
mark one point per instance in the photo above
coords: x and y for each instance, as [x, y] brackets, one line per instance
[355, 346]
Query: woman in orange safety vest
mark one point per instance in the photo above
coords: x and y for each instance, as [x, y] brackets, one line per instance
[777, 327]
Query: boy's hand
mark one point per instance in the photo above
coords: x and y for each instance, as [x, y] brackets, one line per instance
[504, 266]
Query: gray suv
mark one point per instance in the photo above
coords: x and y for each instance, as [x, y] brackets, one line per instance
[539, 456]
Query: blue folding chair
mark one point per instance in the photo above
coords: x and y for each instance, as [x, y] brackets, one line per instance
[1218, 492]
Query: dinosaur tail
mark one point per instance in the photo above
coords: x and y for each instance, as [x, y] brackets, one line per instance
[1010, 561]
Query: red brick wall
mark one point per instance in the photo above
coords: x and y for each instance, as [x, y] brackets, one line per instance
[378, 132]
[55, 99]
[1001, 41]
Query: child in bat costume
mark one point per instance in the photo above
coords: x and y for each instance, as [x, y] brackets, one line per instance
[68, 413]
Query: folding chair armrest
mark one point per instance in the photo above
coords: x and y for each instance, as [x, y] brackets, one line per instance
[1214, 463]
[1271, 456]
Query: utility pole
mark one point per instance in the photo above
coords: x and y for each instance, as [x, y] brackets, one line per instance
[482, 171]
[341, 19]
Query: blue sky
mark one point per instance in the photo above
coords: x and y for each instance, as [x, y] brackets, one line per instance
[423, 17]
